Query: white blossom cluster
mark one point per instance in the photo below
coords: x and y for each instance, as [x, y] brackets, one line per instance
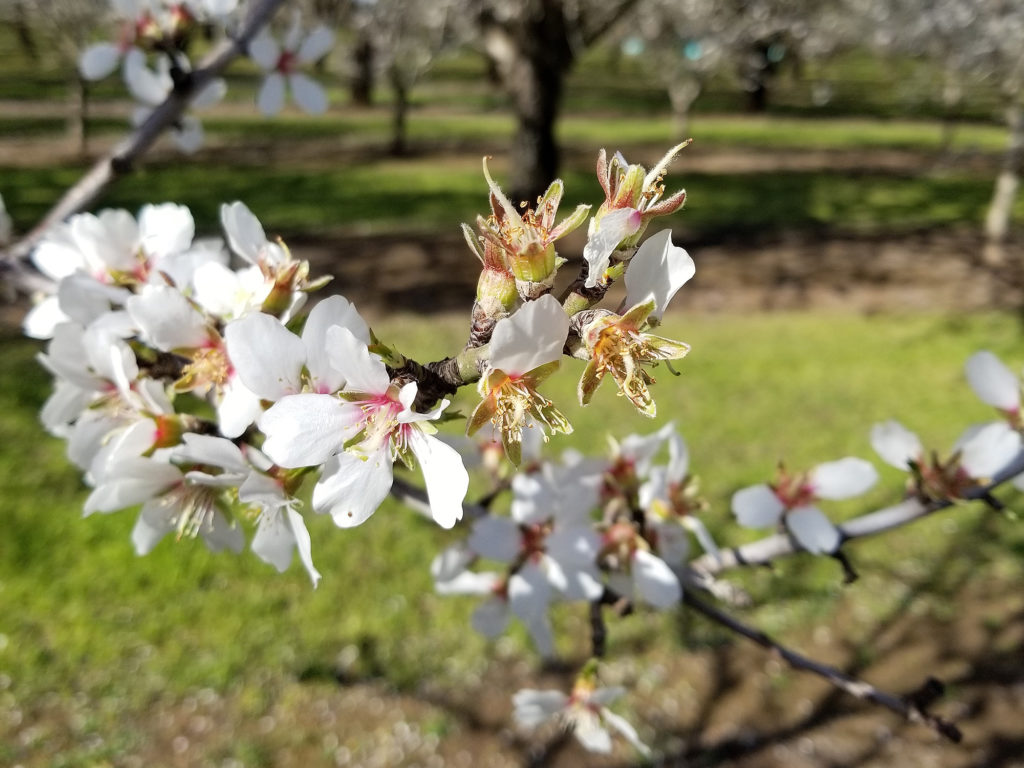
[166, 359]
[151, 46]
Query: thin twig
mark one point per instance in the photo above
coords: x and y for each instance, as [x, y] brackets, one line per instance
[764, 551]
[913, 707]
[121, 159]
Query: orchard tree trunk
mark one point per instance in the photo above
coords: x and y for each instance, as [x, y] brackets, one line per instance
[532, 50]
[1000, 211]
[361, 87]
[399, 112]
[531, 58]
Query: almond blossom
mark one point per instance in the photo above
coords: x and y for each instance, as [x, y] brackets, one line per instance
[97, 258]
[281, 63]
[524, 350]
[669, 498]
[151, 87]
[979, 453]
[584, 712]
[359, 434]
[619, 344]
[791, 500]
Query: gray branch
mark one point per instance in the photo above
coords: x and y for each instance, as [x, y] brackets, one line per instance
[764, 551]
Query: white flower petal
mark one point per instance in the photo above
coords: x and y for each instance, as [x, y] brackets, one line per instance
[148, 531]
[308, 93]
[658, 269]
[654, 581]
[589, 732]
[529, 593]
[533, 707]
[757, 506]
[495, 538]
[273, 541]
[316, 45]
[445, 476]
[362, 371]
[351, 488]
[490, 617]
[99, 60]
[603, 239]
[992, 381]
[167, 319]
[305, 430]
[533, 336]
[264, 50]
[334, 310]
[267, 357]
[895, 444]
[628, 732]
[814, 532]
[843, 479]
[270, 99]
[985, 451]
[165, 229]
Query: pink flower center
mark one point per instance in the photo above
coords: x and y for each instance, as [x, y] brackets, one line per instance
[286, 62]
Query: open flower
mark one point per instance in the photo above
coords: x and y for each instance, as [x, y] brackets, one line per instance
[617, 344]
[791, 500]
[150, 87]
[281, 62]
[979, 453]
[526, 241]
[585, 712]
[525, 350]
[670, 500]
[359, 435]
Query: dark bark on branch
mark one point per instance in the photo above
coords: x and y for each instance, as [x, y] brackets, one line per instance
[913, 707]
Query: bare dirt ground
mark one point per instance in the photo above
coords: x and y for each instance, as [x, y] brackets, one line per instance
[913, 272]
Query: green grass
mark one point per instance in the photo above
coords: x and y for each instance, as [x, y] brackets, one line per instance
[91, 616]
[430, 195]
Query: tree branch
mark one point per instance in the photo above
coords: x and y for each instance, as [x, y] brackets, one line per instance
[913, 707]
[764, 551]
[120, 160]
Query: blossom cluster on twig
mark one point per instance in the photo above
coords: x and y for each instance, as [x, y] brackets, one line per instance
[192, 384]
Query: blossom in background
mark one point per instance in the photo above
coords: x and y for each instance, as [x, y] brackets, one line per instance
[281, 63]
[359, 434]
[791, 500]
[979, 453]
[585, 712]
[524, 350]
[995, 384]
[669, 498]
[150, 87]
[149, 24]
